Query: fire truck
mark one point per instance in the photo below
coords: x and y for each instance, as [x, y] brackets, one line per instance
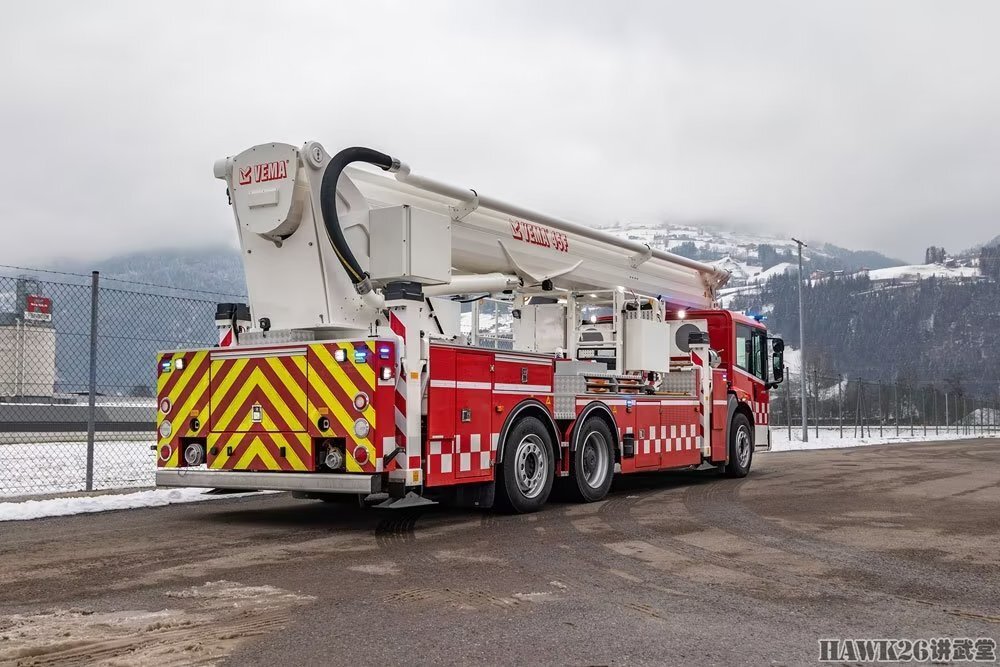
[349, 373]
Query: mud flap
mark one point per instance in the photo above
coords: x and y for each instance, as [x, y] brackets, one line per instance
[476, 495]
[762, 438]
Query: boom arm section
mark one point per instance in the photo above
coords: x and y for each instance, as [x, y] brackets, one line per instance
[303, 220]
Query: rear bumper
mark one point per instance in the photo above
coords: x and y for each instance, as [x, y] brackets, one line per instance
[270, 481]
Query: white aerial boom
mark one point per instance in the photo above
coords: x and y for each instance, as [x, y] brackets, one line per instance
[321, 242]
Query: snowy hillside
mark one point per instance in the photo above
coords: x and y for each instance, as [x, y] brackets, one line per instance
[751, 258]
[739, 245]
[922, 271]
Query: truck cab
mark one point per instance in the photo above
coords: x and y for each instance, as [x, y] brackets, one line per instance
[753, 363]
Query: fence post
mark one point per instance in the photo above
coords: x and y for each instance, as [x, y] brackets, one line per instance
[946, 420]
[881, 415]
[95, 278]
[895, 400]
[859, 415]
[788, 405]
[910, 409]
[816, 402]
[923, 410]
[935, 411]
[962, 411]
[840, 400]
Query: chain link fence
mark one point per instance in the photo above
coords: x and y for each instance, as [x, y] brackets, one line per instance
[77, 382]
[77, 377]
[841, 407]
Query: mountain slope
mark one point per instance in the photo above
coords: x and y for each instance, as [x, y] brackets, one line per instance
[214, 269]
[712, 244]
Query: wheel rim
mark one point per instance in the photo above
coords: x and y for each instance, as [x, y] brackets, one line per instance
[530, 466]
[743, 446]
[594, 459]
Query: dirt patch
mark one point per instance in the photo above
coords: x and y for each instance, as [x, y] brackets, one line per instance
[199, 626]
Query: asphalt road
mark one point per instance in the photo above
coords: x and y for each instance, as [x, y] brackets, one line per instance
[887, 541]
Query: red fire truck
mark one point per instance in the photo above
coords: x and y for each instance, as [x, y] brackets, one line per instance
[350, 371]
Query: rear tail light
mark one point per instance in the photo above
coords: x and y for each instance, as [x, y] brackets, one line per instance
[361, 401]
[361, 455]
[165, 453]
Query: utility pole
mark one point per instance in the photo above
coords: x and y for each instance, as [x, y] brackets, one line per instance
[802, 347]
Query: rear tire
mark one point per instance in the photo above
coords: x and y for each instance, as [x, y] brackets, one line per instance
[740, 447]
[593, 464]
[528, 467]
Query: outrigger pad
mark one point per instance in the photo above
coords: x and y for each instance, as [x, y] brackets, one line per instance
[409, 501]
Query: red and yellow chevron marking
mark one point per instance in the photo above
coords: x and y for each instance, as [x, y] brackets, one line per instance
[261, 452]
[275, 383]
[332, 388]
[187, 390]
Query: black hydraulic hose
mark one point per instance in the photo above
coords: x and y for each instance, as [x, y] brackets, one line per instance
[328, 206]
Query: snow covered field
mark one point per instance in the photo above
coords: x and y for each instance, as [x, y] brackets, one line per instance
[56, 467]
[923, 271]
[829, 438]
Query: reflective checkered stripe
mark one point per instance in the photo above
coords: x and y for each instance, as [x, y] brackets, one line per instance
[470, 454]
[186, 393]
[761, 412]
[399, 412]
[672, 438]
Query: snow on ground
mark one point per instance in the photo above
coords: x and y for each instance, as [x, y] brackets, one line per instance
[829, 438]
[56, 467]
[915, 271]
[778, 269]
[38, 509]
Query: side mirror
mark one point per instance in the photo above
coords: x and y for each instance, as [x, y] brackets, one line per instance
[777, 361]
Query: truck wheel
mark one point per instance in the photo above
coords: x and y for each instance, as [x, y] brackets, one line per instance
[528, 466]
[740, 447]
[593, 463]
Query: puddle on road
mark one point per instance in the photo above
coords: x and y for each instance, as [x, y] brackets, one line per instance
[200, 626]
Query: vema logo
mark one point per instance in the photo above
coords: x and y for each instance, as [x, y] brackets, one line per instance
[263, 172]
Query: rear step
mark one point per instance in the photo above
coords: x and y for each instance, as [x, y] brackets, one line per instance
[409, 501]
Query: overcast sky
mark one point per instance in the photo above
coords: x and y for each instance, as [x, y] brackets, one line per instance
[867, 124]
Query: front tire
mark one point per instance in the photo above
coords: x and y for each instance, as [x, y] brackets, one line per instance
[740, 447]
[528, 467]
[593, 464]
